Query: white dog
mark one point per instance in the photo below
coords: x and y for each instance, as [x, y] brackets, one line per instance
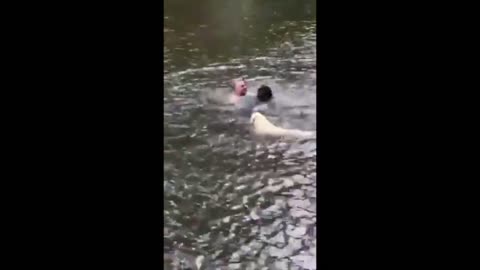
[263, 127]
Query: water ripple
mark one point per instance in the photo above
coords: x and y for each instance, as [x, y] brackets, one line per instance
[231, 201]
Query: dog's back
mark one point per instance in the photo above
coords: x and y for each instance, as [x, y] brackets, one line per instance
[263, 127]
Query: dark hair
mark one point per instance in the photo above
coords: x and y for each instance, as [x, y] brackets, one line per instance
[264, 93]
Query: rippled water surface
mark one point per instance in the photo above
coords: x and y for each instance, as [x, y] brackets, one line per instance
[233, 201]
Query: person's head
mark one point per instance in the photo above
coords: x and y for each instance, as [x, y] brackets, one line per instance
[240, 87]
[264, 93]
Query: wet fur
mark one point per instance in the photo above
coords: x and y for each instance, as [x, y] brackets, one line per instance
[263, 127]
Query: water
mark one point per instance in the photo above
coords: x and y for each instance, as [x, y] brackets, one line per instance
[232, 201]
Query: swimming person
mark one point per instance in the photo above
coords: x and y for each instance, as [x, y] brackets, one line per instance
[262, 101]
[224, 96]
[244, 102]
[239, 90]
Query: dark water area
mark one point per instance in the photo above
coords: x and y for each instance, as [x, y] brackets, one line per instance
[199, 33]
[232, 201]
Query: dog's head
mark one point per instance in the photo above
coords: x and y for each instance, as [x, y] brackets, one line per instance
[255, 116]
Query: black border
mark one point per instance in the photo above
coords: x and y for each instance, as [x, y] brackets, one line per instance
[87, 91]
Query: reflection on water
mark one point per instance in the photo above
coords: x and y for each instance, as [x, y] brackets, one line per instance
[231, 201]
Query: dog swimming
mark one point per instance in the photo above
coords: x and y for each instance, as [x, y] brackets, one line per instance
[263, 127]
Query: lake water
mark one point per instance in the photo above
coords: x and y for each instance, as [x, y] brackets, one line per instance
[232, 201]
